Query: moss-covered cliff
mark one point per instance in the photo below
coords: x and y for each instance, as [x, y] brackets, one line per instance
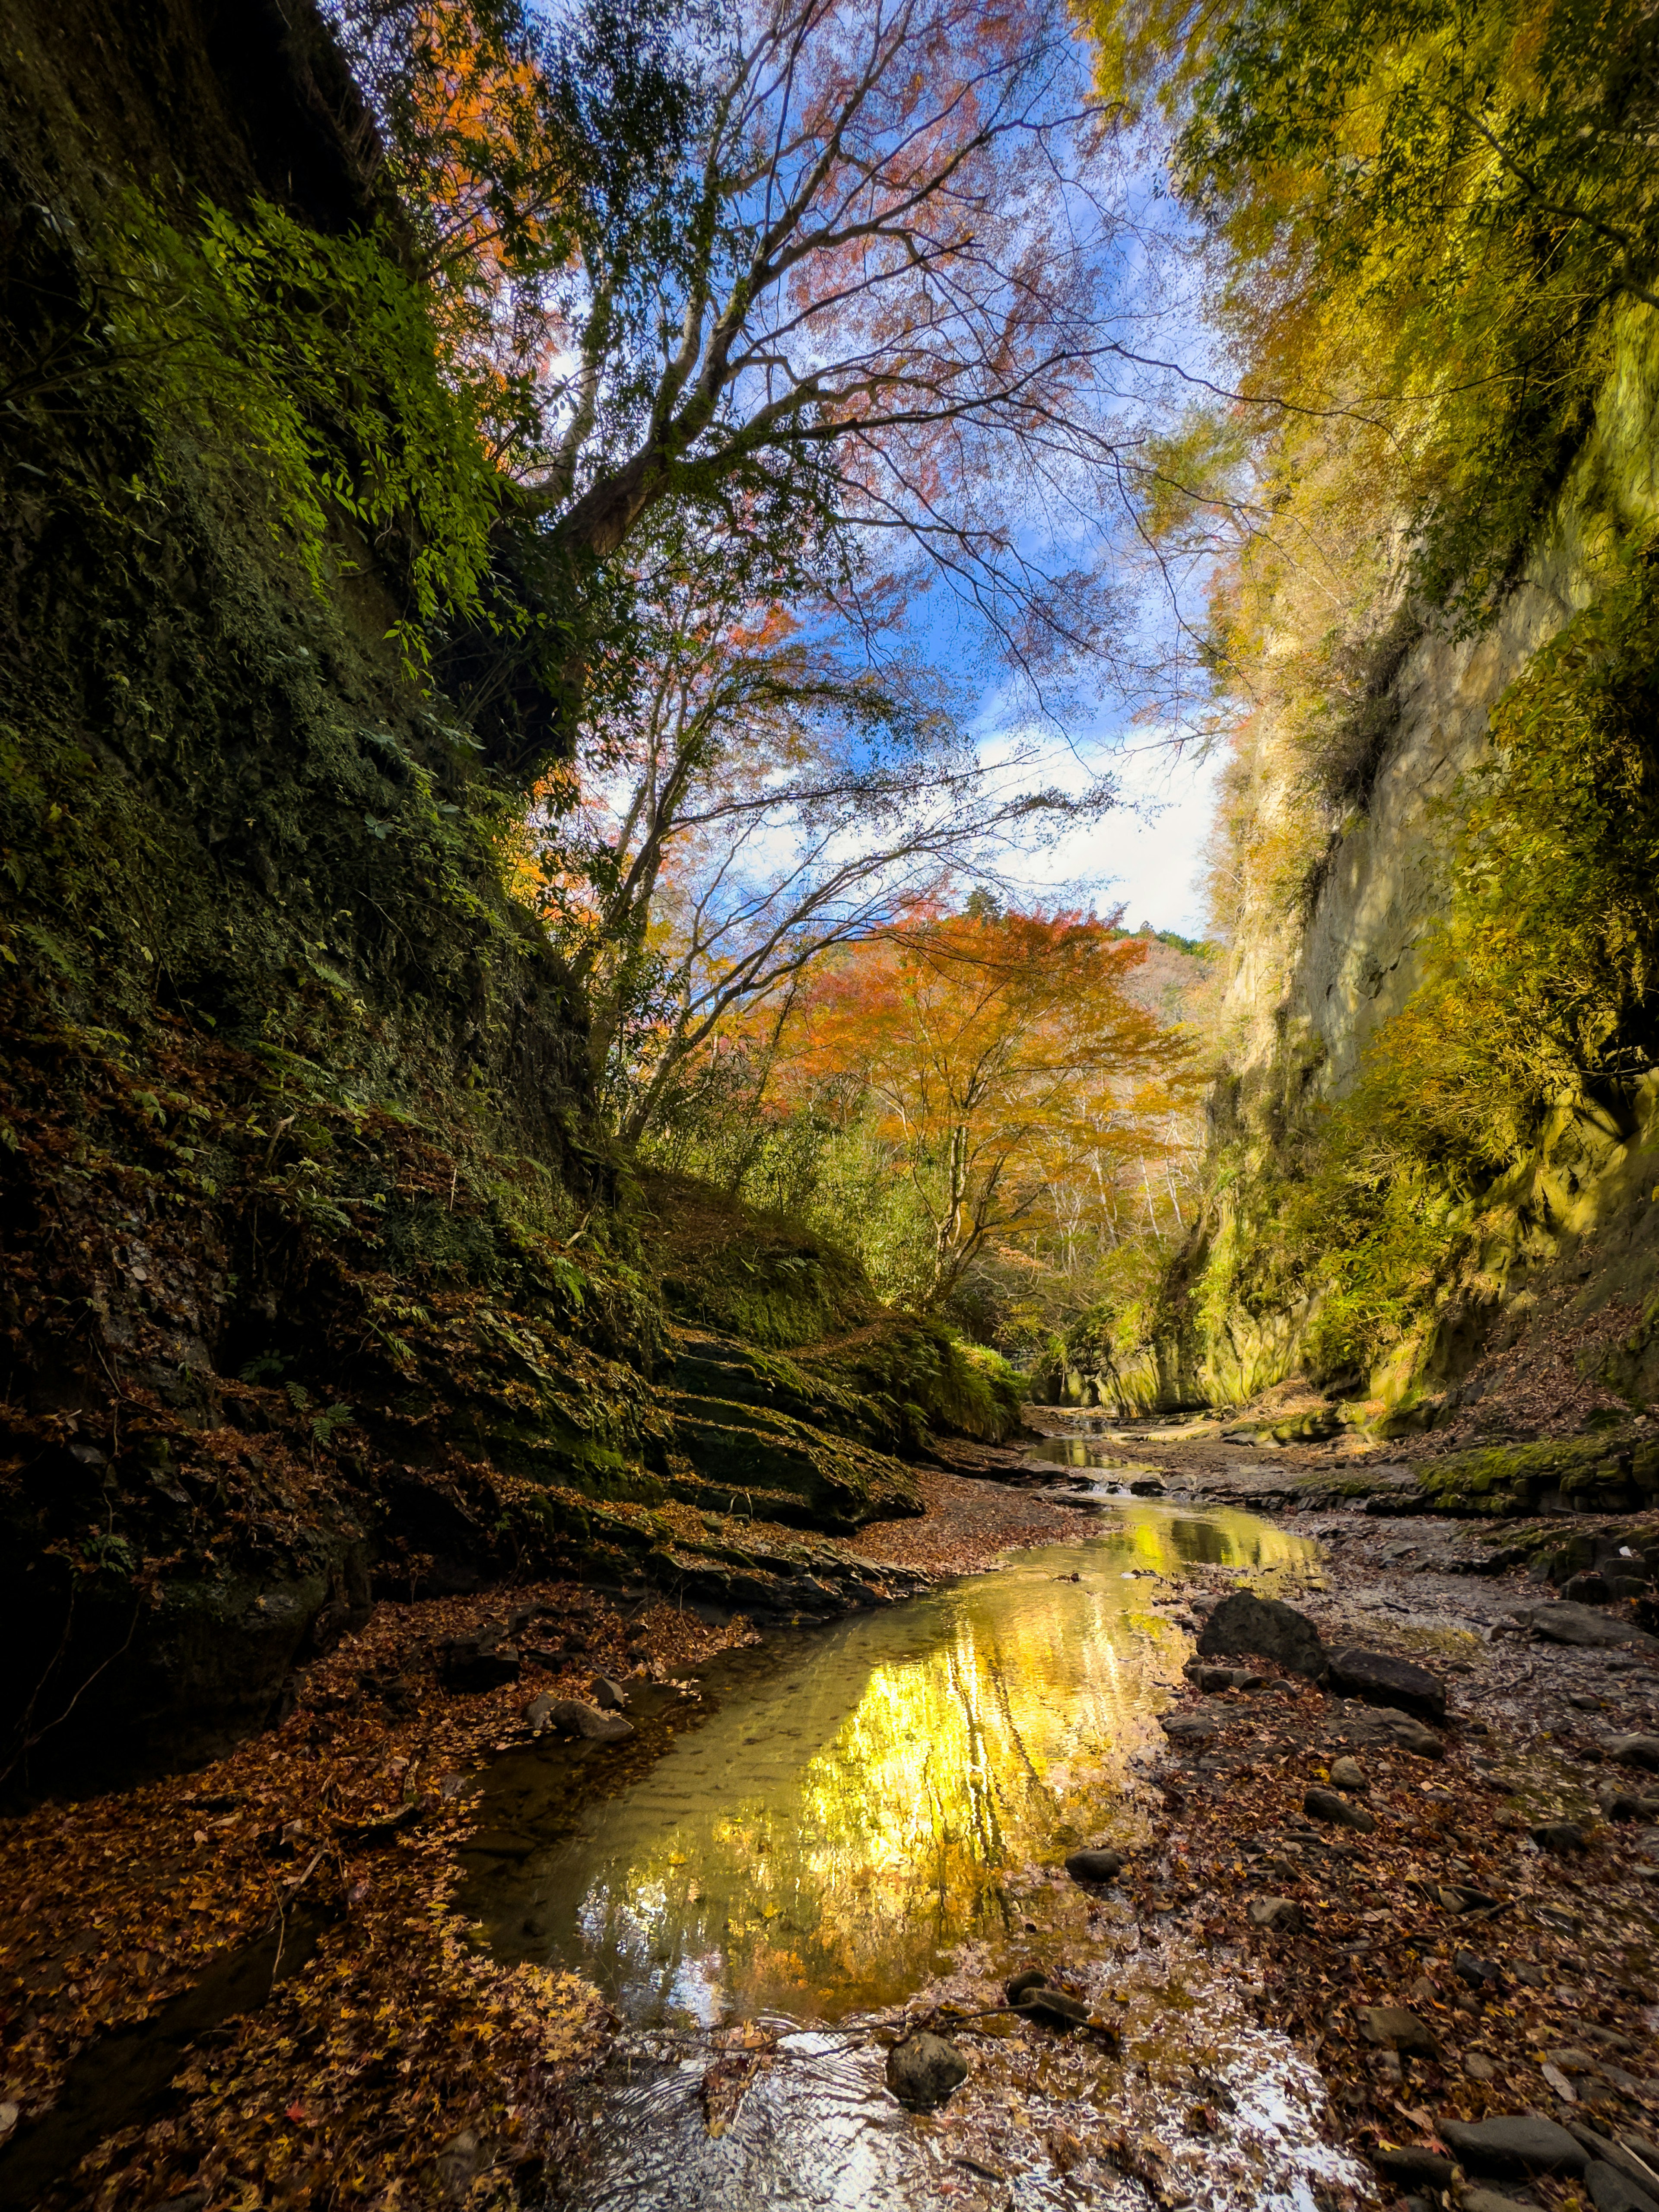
[320, 1274]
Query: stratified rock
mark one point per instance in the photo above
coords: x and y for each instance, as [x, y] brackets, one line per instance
[1518, 2143]
[924, 2069]
[1326, 1805]
[1282, 1914]
[1268, 1626]
[1379, 1679]
[1634, 1751]
[1397, 2030]
[1097, 1865]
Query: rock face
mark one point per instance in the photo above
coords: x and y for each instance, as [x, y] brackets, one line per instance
[1382, 1680]
[924, 2069]
[1267, 1626]
[1519, 2142]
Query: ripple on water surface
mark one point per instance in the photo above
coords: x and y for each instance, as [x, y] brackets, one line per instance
[866, 1811]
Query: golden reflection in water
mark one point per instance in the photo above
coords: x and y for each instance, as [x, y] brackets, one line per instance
[820, 1839]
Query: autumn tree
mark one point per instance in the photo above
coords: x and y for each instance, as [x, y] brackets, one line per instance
[858, 262]
[1007, 1062]
[747, 792]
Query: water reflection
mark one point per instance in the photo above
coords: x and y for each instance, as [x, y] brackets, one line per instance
[857, 1805]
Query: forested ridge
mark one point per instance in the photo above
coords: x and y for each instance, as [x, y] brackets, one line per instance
[562, 1100]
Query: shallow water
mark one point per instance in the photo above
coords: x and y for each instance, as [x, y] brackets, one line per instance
[857, 1814]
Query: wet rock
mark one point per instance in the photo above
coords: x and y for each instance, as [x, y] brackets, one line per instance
[1561, 1836]
[569, 1716]
[1410, 2162]
[1563, 1623]
[1610, 2191]
[1634, 1751]
[609, 1695]
[923, 2070]
[1054, 2008]
[1349, 1774]
[1095, 1865]
[1337, 1812]
[1019, 1986]
[1379, 1679]
[1281, 1914]
[1398, 2030]
[1267, 1626]
[1518, 2143]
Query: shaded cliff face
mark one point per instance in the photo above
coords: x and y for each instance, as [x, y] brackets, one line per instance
[318, 1274]
[1324, 987]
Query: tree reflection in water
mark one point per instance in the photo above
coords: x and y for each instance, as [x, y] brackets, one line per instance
[856, 1802]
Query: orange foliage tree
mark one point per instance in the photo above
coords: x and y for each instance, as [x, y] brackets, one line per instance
[1007, 1060]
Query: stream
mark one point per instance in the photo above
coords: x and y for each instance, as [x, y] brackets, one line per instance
[836, 1822]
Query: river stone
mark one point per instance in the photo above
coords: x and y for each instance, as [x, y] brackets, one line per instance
[569, 1716]
[1282, 1914]
[1054, 2008]
[1562, 1623]
[1635, 1751]
[1558, 1836]
[1616, 2155]
[1349, 1774]
[1326, 1805]
[1518, 2143]
[924, 2069]
[1098, 1865]
[1379, 1679]
[1398, 2030]
[1410, 2162]
[1268, 1626]
[1610, 2191]
[1189, 1727]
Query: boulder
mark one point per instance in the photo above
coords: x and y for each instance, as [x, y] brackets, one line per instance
[924, 2069]
[1095, 1865]
[1325, 1805]
[1588, 1587]
[609, 1695]
[1267, 1626]
[1626, 1805]
[1634, 1751]
[1379, 1679]
[1398, 2030]
[1518, 2143]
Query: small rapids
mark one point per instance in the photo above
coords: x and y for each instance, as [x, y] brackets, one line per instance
[851, 1818]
